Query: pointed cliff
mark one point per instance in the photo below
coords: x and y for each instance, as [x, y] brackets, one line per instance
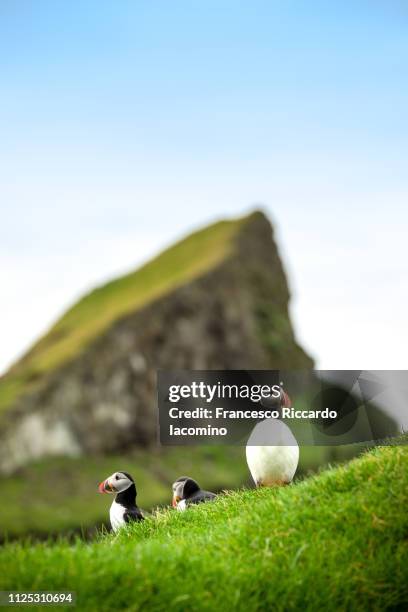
[216, 300]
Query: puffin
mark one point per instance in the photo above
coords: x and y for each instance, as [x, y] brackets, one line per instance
[272, 465]
[186, 491]
[123, 509]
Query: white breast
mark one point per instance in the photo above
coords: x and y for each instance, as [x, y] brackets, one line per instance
[272, 453]
[181, 505]
[116, 515]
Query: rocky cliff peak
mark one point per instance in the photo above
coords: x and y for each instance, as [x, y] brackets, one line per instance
[216, 300]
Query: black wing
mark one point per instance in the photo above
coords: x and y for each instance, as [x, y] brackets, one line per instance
[200, 497]
[133, 514]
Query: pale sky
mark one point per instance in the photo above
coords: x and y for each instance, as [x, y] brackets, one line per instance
[125, 126]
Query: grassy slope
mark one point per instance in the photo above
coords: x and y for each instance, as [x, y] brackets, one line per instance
[61, 492]
[334, 541]
[98, 310]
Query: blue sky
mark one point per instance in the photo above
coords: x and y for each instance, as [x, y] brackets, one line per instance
[125, 125]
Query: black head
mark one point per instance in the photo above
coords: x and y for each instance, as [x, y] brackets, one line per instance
[117, 483]
[183, 488]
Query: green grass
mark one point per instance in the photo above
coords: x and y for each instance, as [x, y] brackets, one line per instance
[335, 541]
[97, 311]
[61, 492]
[62, 495]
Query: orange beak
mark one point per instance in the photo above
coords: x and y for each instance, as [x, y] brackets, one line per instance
[175, 501]
[105, 487]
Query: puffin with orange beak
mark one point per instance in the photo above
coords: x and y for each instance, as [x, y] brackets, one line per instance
[272, 452]
[186, 492]
[123, 509]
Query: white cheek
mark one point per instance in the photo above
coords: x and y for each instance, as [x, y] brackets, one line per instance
[122, 485]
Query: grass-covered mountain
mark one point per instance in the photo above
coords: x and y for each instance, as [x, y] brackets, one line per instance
[336, 541]
[81, 403]
[101, 308]
[216, 300]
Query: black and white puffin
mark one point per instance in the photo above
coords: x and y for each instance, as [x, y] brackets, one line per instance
[272, 452]
[186, 491]
[123, 509]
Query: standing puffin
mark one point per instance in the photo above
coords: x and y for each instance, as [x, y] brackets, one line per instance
[272, 465]
[186, 491]
[123, 509]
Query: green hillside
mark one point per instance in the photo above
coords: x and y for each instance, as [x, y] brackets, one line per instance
[61, 491]
[336, 541]
[97, 311]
